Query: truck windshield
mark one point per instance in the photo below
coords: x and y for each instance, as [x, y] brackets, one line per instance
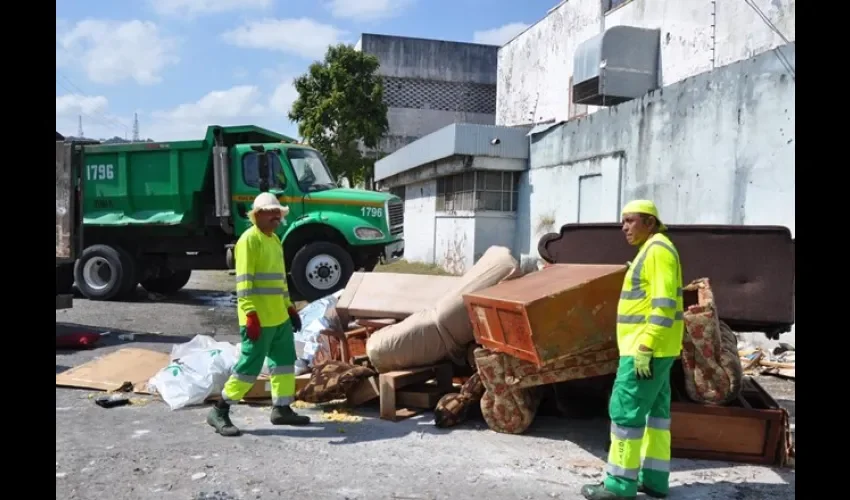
[310, 170]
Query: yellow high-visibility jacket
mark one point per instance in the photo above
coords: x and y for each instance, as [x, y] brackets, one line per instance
[650, 311]
[261, 278]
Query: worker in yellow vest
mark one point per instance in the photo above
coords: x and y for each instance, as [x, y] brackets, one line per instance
[649, 337]
[266, 320]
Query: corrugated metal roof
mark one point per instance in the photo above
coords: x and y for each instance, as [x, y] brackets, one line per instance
[456, 139]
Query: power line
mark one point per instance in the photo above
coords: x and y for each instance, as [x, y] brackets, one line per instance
[102, 119]
[779, 55]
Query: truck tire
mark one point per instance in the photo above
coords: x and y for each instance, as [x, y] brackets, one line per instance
[131, 281]
[64, 279]
[168, 283]
[230, 258]
[321, 268]
[103, 272]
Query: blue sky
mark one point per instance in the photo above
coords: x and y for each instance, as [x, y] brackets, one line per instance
[185, 64]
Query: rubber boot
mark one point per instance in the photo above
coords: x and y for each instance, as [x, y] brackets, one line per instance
[650, 492]
[598, 492]
[219, 419]
[283, 415]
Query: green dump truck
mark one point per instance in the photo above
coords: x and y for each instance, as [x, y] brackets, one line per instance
[154, 212]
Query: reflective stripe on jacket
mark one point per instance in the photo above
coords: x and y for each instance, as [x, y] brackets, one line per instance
[261, 278]
[650, 309]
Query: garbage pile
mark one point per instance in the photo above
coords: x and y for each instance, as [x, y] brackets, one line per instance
[779, 361]
[493, 337]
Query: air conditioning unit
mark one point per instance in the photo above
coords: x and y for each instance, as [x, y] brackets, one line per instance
[615, 66]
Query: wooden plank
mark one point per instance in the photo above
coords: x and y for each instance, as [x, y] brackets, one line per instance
[423, 396]
[389, 383]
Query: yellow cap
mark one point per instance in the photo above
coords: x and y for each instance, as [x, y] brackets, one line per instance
[644, 207]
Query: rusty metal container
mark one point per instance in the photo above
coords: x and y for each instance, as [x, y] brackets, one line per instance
[548, 315]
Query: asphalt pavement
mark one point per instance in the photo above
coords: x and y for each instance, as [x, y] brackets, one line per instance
[147, 451]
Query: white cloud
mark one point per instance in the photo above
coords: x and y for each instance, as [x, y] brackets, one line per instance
[499, 36]
[111, 51]
[367, 10]
[302, 37]
[70, 105]
[237, 102]
[193, 8]
[283, 97]
[240, 105]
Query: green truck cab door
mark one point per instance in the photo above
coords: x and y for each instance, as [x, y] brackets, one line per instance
[250, 163]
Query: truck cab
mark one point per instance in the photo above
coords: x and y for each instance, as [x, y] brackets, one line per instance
[330, 231]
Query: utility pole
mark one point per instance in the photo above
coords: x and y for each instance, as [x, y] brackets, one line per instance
[136, 137]
[80, 126]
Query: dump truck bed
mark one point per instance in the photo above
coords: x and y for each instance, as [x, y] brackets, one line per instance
[156, 183]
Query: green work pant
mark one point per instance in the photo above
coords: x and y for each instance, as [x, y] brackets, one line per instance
[640, 429]
[278, 344]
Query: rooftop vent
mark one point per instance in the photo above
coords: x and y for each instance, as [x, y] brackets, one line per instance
[616, 66]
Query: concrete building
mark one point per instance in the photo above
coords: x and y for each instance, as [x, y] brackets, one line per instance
[429, 84]
[460, 188]
[716, 148]
[537, 68]
[687, 103]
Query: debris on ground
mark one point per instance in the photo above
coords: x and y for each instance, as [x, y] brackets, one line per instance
[112, 400]
[780, 361]
[78, 340]
[339, 415]
[126, 370]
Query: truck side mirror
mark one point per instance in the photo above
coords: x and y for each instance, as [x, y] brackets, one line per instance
[264, 172]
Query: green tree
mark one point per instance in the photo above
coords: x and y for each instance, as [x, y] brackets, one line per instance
[340, 108]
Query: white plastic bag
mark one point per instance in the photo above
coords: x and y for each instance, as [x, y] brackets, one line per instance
[315, 317]
[198, 369]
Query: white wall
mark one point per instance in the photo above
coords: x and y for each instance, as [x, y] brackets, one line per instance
[455, 241]
[534, 69]
[717, 148]
[420, 206]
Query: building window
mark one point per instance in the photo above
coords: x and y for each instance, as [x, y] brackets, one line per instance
[478, 191]
[608, 5]
[575, 110]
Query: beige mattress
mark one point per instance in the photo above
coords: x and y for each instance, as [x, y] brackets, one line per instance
[391, 295]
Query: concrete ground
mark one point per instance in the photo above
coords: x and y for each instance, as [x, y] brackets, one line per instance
[146, 451]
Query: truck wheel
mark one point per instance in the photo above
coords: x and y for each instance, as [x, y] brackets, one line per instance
[64, 279]
[230, 258]
[103, 272]
[321, 268]
[128, 288]
[168, 283]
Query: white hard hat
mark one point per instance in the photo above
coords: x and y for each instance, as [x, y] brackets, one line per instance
[268, 201]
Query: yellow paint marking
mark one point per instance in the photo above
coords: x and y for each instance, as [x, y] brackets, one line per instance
[297, 199]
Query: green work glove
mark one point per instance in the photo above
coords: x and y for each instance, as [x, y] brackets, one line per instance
[643, 360]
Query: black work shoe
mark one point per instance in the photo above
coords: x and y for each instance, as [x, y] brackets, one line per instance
[283, 415]
[219, 419]
[650, 492]
[598, 492]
